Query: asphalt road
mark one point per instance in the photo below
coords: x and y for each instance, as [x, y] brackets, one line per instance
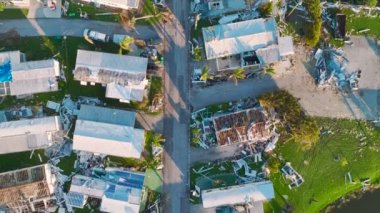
[177, 116]
[70, 27]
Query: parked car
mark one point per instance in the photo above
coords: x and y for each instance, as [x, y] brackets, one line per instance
[97, 36]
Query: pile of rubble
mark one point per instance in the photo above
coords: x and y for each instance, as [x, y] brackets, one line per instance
[331, 70]
[292, 175]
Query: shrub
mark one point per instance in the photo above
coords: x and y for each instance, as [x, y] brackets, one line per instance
[313, 31]
[265, 10]
[273, 165]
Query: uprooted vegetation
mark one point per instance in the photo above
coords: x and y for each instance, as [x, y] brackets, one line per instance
[294, 121]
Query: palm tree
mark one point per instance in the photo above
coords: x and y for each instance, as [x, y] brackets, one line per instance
[237, 75]
[157, 139]
[205, 74]
[269, 71]
[129, 19]
[124, 44]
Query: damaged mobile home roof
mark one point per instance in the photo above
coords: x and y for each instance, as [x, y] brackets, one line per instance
[28, 134]
[27, 187]
[106, 68]
[99, 134]
[119, 190]
[259, 191]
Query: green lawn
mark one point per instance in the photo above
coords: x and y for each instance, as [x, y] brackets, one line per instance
[13, 14]
[324, 166]
[67, 164]
[149, 9]
[92, 11]
[21, 160]
[357, 22]
[154, 180]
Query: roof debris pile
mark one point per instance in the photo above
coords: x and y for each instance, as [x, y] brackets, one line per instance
[292, 175]
[331, 68]
[244, 125]
[28, 190]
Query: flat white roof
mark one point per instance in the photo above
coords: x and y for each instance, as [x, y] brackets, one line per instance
[109, 139]
[235, 38]
[285, 45]
[28, 134]
[112, 205]
[260, 191]
[13, 56]
[34, 77]
[268, 54]
[129, 92]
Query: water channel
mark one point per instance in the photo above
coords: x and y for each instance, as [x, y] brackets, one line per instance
[368, 203]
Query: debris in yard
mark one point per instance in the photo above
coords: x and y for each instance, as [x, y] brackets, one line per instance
[257, 157]
[53, 106]
[331, 66]
[291, 174]
[249, 173]
[157, 103]
[365, 183]
[349, 177]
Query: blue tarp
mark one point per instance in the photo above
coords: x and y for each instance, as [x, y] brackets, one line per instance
[5, 71]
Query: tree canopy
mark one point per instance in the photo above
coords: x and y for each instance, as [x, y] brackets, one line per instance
[265, 9]
[313, 30]
[125, 44]
[303, 128]
[237, 75]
